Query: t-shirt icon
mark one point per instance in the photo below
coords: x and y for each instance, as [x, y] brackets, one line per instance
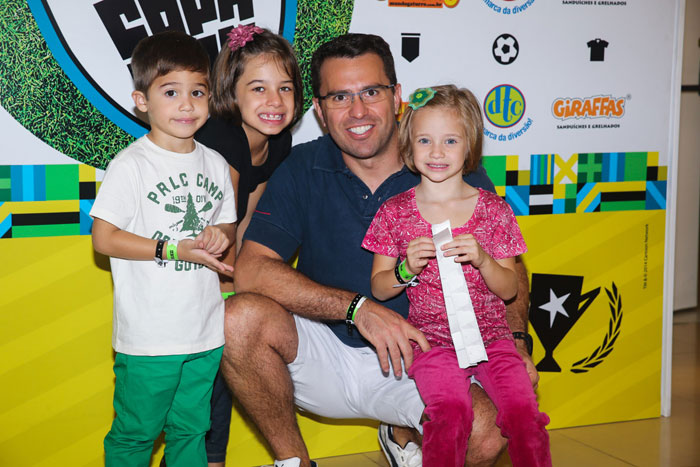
[597, 47]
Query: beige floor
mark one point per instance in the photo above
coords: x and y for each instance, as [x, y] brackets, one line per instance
[672, 441]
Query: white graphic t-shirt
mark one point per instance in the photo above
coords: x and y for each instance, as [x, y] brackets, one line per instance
[155, 193]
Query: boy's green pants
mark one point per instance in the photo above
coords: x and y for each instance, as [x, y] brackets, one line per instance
[152, 394]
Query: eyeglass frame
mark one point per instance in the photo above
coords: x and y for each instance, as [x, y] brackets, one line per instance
[358, 93]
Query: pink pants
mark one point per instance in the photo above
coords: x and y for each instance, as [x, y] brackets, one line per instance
[444, 388]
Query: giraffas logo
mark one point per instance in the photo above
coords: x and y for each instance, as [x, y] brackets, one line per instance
[564, 108]
[508, 7]
[424, 3]
[93, 40]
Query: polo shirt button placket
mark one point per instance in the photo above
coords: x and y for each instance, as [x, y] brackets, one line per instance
[365, 196]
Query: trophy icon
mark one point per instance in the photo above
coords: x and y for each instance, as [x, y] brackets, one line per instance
[556, 303]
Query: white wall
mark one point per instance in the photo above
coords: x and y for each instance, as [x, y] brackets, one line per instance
[685, 291]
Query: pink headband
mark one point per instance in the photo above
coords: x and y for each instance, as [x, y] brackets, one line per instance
[241, 35]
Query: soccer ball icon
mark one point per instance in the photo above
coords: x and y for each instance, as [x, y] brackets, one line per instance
[505, 49]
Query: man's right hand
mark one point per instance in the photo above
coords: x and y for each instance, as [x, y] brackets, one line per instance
[390, 334]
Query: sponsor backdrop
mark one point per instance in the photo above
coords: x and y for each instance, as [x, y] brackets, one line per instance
[580, 119]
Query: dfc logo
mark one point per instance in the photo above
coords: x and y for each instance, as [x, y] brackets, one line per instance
[556, 304]
[504, 106]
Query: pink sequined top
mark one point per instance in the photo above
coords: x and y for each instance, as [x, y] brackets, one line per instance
[494, 226]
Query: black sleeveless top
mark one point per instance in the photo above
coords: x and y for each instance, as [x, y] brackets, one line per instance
[229, 140]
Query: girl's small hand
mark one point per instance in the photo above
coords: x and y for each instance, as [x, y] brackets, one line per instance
[420, 250]
[465, 248]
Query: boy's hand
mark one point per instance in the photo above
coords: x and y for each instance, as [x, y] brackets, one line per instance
[465, 248]
[418, 253]
[213, 240]
[187, 250]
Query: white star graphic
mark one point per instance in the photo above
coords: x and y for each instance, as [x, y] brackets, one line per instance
[554, 306]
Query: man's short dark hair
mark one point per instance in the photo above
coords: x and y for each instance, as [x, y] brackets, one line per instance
[164, 52]
[351, 46]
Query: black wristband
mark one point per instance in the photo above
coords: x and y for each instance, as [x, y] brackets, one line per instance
[398, 274]
[351, 312]
[527, 338]
[159, 249]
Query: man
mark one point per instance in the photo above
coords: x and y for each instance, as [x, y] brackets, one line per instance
[321, 200]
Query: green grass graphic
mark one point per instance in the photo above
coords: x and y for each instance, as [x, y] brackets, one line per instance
[38, 94]
[318, 21]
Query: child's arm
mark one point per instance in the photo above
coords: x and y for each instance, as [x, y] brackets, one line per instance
[110, 240]
[499, 275]
[419, 251]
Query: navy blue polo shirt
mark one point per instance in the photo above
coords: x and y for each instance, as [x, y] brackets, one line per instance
[314, 203]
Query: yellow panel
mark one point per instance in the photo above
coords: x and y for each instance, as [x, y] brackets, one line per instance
[652, 159]
[512, 163]
[32, 207]
[663, 172]
[622, 186]
[523, 177]
[559, 191]
[604, 248]
[86, 173]
[56, 381]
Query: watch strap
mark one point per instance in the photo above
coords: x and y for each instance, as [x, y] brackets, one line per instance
[525, 337]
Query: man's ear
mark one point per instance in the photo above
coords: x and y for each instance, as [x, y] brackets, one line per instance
[319, 111]
[397, 98]
[140, 101]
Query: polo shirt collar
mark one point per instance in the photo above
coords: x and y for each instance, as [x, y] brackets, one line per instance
[330, 159]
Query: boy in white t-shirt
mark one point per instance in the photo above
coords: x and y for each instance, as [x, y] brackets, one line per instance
[165, 215]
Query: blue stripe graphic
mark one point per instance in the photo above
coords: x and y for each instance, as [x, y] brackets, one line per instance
[39, 183]
[290, 19]
[5, 225]
[660, 198]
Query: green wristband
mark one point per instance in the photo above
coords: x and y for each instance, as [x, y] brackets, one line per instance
[226, 295]
[405, 275]
[171, 251]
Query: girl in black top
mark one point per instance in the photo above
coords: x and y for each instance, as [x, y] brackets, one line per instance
[256, 98]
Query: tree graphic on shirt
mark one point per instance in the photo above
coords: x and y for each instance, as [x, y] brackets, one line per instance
[191, 220]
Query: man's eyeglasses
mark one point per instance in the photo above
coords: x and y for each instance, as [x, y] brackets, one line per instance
[371, 95]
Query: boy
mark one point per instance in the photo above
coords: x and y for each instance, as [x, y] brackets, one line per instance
[168, 315]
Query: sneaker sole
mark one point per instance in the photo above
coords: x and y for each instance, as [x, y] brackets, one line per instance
[387, 452]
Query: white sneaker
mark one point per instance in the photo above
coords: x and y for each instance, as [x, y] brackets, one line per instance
[408, 456]
[291, 462]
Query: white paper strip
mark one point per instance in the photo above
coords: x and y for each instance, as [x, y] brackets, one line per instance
[464, 329]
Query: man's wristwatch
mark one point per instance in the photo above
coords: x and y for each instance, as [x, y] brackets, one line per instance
[527, 338]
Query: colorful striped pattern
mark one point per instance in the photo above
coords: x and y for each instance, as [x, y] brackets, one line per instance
[55, 200]
[46, 200]
[583, 182]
